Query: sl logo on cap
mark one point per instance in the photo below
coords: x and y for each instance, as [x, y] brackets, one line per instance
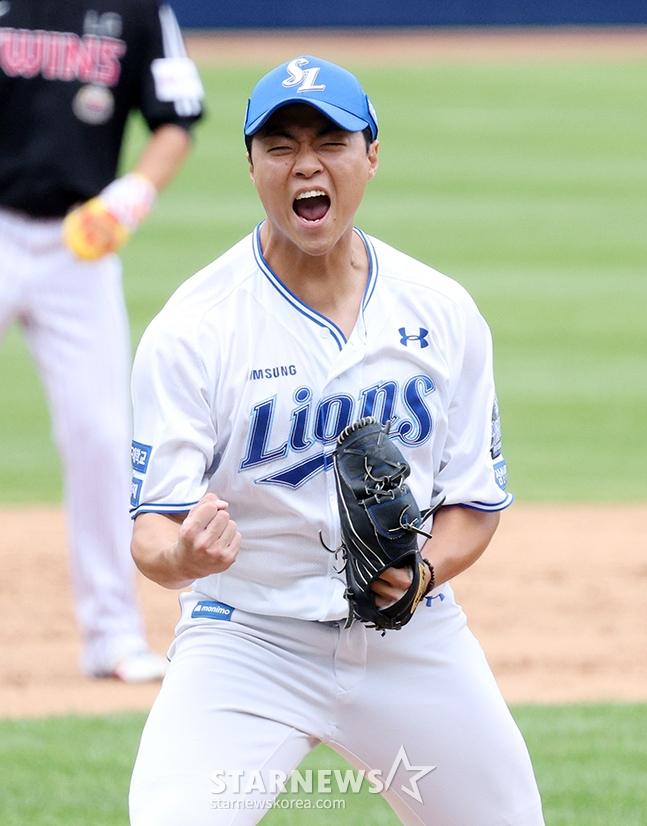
[306, 78]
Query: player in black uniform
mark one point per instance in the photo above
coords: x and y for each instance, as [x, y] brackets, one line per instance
[70, 74]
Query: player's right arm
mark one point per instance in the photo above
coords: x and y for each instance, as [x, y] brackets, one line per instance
[174, 551]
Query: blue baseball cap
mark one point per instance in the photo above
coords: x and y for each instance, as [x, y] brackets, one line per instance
[333, 90]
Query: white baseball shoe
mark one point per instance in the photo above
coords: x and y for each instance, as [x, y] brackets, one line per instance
[142, 667]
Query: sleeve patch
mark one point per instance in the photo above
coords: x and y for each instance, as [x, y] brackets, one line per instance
[176, 78]
[135, 491]
[495, 444]
[139, 455]
[501, 474]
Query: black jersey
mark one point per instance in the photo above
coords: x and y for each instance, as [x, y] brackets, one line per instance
[70, 73]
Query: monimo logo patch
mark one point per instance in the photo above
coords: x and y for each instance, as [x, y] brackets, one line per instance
[212, 610]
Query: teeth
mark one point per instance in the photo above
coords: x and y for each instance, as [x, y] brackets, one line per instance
[313, 193]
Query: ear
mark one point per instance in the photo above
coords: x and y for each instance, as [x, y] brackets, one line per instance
[251, 165]
[373, 162]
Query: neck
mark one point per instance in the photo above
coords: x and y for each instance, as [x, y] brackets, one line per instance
[333, 283]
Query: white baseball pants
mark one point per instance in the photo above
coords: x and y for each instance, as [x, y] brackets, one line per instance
[247, 697]
[75, 323]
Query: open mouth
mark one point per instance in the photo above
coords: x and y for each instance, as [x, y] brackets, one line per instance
[312, 205]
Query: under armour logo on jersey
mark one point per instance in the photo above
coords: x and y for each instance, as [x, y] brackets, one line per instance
[421, 337]
[305, 79]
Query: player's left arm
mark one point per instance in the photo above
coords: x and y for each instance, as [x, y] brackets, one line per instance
[471, 478]
[460, 536]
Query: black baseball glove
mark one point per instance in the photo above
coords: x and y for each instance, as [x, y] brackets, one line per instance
[380, 521]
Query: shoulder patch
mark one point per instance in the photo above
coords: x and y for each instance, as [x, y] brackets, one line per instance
[176, 78]
[139, 456]
[501, 474]
[495, 444]
[135, 492]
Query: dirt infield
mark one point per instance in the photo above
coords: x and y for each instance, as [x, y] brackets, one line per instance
[558, 603]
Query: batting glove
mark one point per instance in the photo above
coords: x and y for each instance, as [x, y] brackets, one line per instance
[102, 224]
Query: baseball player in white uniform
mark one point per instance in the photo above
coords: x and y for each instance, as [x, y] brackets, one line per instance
[70, 75]
[241, 386]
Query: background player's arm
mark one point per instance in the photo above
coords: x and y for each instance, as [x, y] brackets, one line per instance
[175, 553]
[460, 535]
[102, 224]
[164, 154]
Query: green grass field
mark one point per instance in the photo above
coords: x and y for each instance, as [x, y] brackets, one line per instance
[527, 183]
[590, 761]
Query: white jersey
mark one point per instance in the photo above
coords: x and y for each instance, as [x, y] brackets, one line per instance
[240, 389]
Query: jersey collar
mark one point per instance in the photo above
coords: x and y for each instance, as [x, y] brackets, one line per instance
[299, 305]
